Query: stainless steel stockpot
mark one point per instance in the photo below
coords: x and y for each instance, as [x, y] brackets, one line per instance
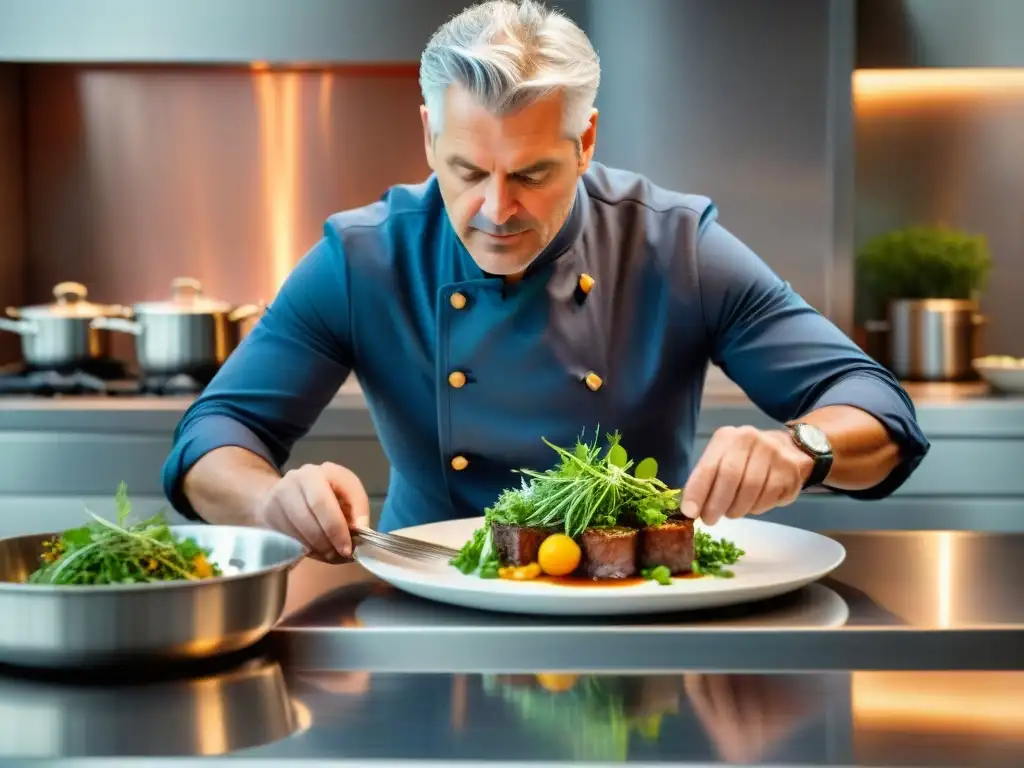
[189, 333]
[62, 334]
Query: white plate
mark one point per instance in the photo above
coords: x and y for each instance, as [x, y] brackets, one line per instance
[778, 559]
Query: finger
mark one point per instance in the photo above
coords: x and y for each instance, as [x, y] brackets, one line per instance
[776, 490]
[701, 480]
[325, 509]
[349, 490]
[754, 478]
[295, 508]
[729, 478]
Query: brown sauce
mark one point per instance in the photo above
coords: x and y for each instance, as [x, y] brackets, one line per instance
[581, 581]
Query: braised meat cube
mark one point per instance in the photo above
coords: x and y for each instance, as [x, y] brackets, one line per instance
[517, 545]
[608, 553]
[669, 544]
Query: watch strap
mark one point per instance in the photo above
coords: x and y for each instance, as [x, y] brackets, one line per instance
[822, 461]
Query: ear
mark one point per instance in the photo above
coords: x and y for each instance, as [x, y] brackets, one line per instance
[428, 139]
[588, 142]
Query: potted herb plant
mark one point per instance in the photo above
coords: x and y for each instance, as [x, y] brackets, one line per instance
[926, 282]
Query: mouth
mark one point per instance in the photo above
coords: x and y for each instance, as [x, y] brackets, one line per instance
[503, 238]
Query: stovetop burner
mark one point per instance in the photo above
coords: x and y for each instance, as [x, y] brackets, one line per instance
[104, 377]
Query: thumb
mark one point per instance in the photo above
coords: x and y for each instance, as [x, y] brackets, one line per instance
[350, 493]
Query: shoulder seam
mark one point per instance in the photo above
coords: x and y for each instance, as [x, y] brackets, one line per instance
[648, 206]
[382, 222]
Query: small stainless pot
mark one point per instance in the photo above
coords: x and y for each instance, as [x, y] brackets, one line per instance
[62, 334]
[190, 334]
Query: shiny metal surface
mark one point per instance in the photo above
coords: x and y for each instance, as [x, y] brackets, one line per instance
[940, 33]
[912, 600]
[932, 339]
[62, 334]
[189, 334]
[208, 712]
[241, 31]
[74, 626]
[255, 715]
[139, 174]
[13, 209]
[680, 102]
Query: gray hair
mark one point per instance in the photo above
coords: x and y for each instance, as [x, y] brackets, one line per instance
[509, 54]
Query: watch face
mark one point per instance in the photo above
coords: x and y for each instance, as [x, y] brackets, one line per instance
[813, 438]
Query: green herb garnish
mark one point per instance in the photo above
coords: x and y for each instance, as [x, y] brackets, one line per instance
[103, 552]
[710, 555]
[589, 488]
[659, 573]
[478, 555]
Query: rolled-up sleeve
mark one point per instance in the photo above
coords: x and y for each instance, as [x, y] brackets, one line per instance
[274, 386]
[788, 357]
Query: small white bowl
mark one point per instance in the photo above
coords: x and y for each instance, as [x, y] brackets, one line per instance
[1002, 372]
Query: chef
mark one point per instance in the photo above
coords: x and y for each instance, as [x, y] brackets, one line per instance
[525, 291]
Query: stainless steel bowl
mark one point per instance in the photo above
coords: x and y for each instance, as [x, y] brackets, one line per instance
[213, 714]
[76, 626]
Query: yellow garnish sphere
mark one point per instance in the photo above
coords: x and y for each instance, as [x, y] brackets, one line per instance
[555, 682]
[559, 555]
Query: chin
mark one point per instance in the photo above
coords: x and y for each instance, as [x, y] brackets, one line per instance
[501, 264]
[497, 261]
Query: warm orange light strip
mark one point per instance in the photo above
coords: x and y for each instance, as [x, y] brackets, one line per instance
[951, 702]
[935, 81]
[277, 98]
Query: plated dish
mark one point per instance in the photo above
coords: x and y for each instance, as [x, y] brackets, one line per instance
[600, 535]
[596, 516]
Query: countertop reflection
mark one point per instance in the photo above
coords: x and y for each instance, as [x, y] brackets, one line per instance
[257, 710]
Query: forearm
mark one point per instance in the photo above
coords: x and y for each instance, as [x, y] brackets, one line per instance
[225, 485]
[864, 453]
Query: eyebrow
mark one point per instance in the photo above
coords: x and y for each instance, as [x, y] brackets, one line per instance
[541, 165]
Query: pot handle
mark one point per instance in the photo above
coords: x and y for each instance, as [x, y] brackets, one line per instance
[69, 291]
[20, 327]
[246, 311]
[118, 324]
[183, 285]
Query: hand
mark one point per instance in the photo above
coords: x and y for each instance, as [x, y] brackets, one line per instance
[746, 716]
[745, 471]
[316, 504]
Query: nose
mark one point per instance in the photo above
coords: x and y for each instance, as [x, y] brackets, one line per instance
[498, 204]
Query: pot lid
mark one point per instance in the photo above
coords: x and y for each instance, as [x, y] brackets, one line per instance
[186, 298]
[70, 302]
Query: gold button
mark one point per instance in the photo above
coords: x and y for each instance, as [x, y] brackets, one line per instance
[458, 300]
[586, 282]
[593, 381]
[459, 463]
[456, 378]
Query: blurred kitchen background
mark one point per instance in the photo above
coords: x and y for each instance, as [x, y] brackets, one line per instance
[140, 141]
[145, 140]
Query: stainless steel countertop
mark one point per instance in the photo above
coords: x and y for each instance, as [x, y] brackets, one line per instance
[359, 675]
[944, 411]
[261, 712]
[923, 600]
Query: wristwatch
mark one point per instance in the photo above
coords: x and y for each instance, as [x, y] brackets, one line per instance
[812, 441]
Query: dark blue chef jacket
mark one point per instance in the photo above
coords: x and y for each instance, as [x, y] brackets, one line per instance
[390, 293]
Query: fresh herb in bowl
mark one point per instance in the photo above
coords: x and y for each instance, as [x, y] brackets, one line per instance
[102, 552]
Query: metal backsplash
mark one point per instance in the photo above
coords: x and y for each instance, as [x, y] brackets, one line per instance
[12, 200]
[138, 175]
[947, 146]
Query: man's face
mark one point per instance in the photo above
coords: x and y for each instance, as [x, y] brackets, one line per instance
[508, 183]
